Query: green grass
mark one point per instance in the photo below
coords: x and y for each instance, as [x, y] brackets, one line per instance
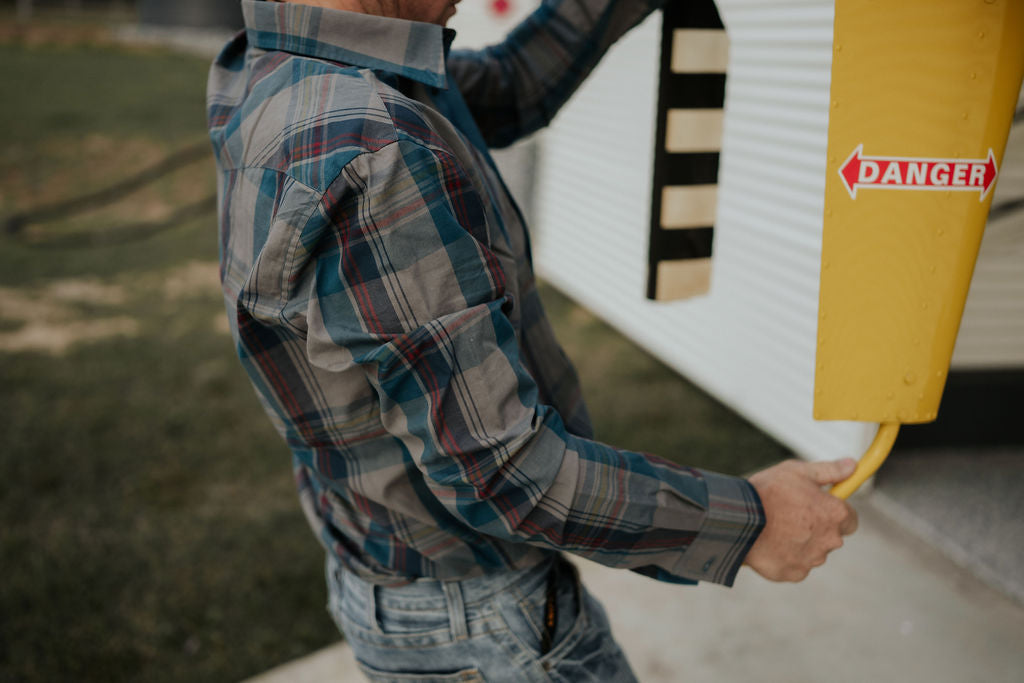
[53, 82]
[151, 531]
[150, 527]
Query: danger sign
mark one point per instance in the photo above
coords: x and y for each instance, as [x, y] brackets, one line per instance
[907, 173]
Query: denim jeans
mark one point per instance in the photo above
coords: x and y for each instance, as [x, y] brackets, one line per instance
[481, 629]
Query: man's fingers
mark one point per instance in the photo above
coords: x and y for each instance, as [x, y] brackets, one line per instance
[832, 472]
[849, 523]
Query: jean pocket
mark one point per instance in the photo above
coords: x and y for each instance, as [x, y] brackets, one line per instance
[410, 622]
[524, 614]
[379, 676]
[389, 621]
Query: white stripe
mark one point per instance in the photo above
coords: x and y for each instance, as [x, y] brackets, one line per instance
[699, 51]
[682, 279]
[694, 130]
[688, 206]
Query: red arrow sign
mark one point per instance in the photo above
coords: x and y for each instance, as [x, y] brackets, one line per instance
[908, 173]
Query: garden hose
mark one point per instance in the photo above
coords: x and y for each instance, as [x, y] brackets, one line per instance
[15, 225]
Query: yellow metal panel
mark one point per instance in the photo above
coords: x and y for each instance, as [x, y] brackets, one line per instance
[923, 95]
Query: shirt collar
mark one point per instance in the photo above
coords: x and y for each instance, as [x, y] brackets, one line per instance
[412, 49]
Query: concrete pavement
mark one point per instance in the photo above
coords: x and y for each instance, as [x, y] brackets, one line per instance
[887, 607]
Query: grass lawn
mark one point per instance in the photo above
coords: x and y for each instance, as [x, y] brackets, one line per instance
[150, 527]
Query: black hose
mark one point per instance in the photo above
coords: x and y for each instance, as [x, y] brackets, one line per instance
[1006, 208]
[16, 224]
[126, 233]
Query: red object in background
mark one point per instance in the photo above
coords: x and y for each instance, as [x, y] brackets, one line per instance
[500, 7]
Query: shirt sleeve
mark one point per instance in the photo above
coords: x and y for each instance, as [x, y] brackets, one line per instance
[411, 292]
[516, 87]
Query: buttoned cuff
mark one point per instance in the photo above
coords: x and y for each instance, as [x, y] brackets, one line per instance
[733, 522]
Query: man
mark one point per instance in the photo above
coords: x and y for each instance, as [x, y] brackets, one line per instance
[378, 281]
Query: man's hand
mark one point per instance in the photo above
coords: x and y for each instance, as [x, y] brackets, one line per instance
[804, 522]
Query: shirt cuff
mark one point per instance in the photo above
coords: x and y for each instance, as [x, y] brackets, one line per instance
[733, 522]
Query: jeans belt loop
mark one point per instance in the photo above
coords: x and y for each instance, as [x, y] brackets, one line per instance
[456, 609]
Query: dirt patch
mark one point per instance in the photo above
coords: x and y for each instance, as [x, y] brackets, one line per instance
[89, 291]
[57, 338]
[17, 305]
[49, 323]
[581, 317]
[49, 318]
[195, 278]
[220, 324]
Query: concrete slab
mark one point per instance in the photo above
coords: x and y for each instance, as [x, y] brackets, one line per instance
[887, 607]
[329, 665]
[969, 503]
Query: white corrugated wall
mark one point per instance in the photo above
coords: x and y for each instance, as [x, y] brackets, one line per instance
[751, 341]
[477, 23]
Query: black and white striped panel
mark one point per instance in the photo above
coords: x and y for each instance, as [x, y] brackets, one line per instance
[691, 96]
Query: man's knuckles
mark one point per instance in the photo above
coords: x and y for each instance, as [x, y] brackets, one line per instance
[849, 523]
[796, 574]
[833, 542]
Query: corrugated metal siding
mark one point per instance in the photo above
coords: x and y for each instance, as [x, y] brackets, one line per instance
[992, 330]
[751, 341]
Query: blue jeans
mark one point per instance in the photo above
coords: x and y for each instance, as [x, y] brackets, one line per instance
[482, 629]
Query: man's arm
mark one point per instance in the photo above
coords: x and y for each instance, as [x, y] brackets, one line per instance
[516, 87]
[411, 292]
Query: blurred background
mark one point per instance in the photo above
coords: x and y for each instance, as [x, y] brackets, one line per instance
[150, 530]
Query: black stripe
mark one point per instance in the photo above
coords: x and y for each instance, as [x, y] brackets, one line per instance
[696, 168]
[1005, 208]
[692, 14]
[694, 91]
[682, 91]
[674, 245]
[652, 281]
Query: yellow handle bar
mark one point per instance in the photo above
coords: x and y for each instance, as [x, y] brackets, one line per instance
[871, 461]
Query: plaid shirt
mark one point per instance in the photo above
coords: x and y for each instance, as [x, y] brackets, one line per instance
[377, 277]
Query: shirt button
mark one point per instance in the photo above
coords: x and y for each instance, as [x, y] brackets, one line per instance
[707, 565]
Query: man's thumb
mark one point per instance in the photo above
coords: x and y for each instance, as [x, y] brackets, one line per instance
[833, 471]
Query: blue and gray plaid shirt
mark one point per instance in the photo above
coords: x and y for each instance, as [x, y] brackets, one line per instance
[377, 278]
